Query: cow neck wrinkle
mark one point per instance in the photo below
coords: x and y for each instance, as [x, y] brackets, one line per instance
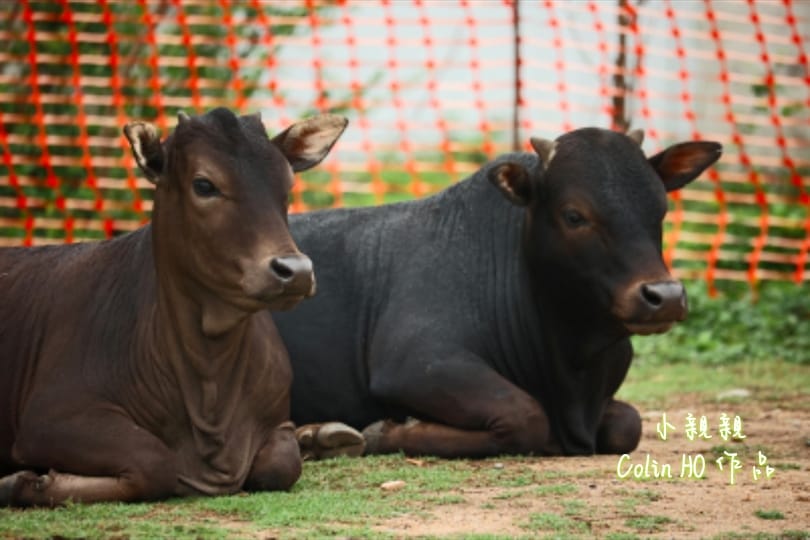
[525, 291]
[562, 315]
[178, 322]
[209, 373]
[571, 366]
[181, 317]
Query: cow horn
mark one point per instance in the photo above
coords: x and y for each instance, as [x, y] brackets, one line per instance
[544, 148]
[637, 135]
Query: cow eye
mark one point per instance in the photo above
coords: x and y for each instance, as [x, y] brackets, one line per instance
[203, 187]
[573, 218]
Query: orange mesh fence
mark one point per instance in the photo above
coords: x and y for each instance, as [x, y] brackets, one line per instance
[432, 89]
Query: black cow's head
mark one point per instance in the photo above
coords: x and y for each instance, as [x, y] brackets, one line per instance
[220, 214]
[595, 207]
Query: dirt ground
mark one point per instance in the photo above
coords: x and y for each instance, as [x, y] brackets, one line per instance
[600, 504]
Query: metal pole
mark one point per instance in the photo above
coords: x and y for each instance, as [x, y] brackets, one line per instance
[516, 143]
[620, 119]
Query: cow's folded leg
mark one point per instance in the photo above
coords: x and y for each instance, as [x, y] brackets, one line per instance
[277, 465]
[90, 458]
[473, 412]
[330, 439]
[54, 488]
[619, 430]
[415, 437]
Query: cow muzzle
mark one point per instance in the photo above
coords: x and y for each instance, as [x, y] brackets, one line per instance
[653, 307]
[294, 275]
[278, 282]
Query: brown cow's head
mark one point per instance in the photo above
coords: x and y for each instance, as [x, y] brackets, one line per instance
[595, 207]
[220, 216]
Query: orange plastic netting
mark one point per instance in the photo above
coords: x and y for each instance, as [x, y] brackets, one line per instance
[432, 89]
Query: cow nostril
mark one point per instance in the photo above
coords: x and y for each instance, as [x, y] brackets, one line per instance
[651, 296]
[293, 272]
[282, 270]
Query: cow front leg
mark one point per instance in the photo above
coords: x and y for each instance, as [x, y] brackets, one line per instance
[89, 458]
[277, 464]
[619, 430]
[473, 412]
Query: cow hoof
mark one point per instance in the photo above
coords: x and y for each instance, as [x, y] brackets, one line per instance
[373, 434]
[338, 439]
[332, 439]
[7, 485]
[13, 484]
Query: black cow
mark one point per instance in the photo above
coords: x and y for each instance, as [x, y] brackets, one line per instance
[494, 317]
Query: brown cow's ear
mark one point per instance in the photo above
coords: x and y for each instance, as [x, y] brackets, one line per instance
[512, 179]
[681, 163]
[306, 143]
[146, 147]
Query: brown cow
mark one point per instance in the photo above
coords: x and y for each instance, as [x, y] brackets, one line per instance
[146, 366]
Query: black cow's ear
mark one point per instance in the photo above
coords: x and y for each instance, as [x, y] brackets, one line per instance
[681, 163]
[306, 143]
[512, 179]
[637, 136]
[149, 153]
[545, 148]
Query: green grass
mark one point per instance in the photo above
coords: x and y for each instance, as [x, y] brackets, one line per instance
[784, 535]
[550, 522]
[340, 497]
[574, 508]
[769, 514]
[653, 384]
[787, 466]
[556, 489]
[106, 520]
[648, 523]
[632, 498]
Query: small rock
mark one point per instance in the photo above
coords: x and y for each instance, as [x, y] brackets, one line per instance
[498, 465]
[733, 394]
[392, 485]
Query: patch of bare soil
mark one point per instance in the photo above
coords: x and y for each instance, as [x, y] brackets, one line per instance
[585, 497]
